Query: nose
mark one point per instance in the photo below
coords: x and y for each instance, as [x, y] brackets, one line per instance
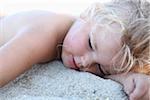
[83, 61]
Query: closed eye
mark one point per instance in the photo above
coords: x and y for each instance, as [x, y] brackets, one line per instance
[100, 69]
[90, 45]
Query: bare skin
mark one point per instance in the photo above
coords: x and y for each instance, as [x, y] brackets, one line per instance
[135, 85]
[27, 44]
[32, 37]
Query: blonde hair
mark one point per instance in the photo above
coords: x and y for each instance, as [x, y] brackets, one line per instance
[134, 18]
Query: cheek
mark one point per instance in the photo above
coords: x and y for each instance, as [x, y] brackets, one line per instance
[70, 43]
[75, 43]
[70, 38]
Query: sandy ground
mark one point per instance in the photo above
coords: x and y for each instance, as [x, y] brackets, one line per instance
[53, 81]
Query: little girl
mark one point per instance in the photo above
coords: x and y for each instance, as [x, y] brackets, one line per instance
[107, 40]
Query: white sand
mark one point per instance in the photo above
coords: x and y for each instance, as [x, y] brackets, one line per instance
[55, 82]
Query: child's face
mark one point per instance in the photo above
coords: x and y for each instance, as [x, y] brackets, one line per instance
[85, 50]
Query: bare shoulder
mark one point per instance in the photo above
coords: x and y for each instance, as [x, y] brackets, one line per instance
[39, 21]
[36, 17]
[41, 18]
[29, 38]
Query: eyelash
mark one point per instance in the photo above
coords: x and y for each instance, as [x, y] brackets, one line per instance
[99, 66]
[90, 45]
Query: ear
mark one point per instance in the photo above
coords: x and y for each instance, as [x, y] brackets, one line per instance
[144, 70]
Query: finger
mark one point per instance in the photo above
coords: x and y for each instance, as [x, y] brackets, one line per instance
[147, 95]
[129, 86]
[144, 97]
[139, 91]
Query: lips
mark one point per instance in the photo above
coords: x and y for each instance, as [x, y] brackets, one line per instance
[69, 61]
[75, 65]
[72, 63]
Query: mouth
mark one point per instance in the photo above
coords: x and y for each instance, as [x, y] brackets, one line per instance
[75, 65]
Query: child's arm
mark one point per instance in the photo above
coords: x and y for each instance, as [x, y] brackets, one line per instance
[22, 51]
[137, 86]
[29, 46]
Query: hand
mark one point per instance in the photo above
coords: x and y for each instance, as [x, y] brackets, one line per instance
[137, 86]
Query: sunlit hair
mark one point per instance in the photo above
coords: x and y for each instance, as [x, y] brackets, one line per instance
[134, 18]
